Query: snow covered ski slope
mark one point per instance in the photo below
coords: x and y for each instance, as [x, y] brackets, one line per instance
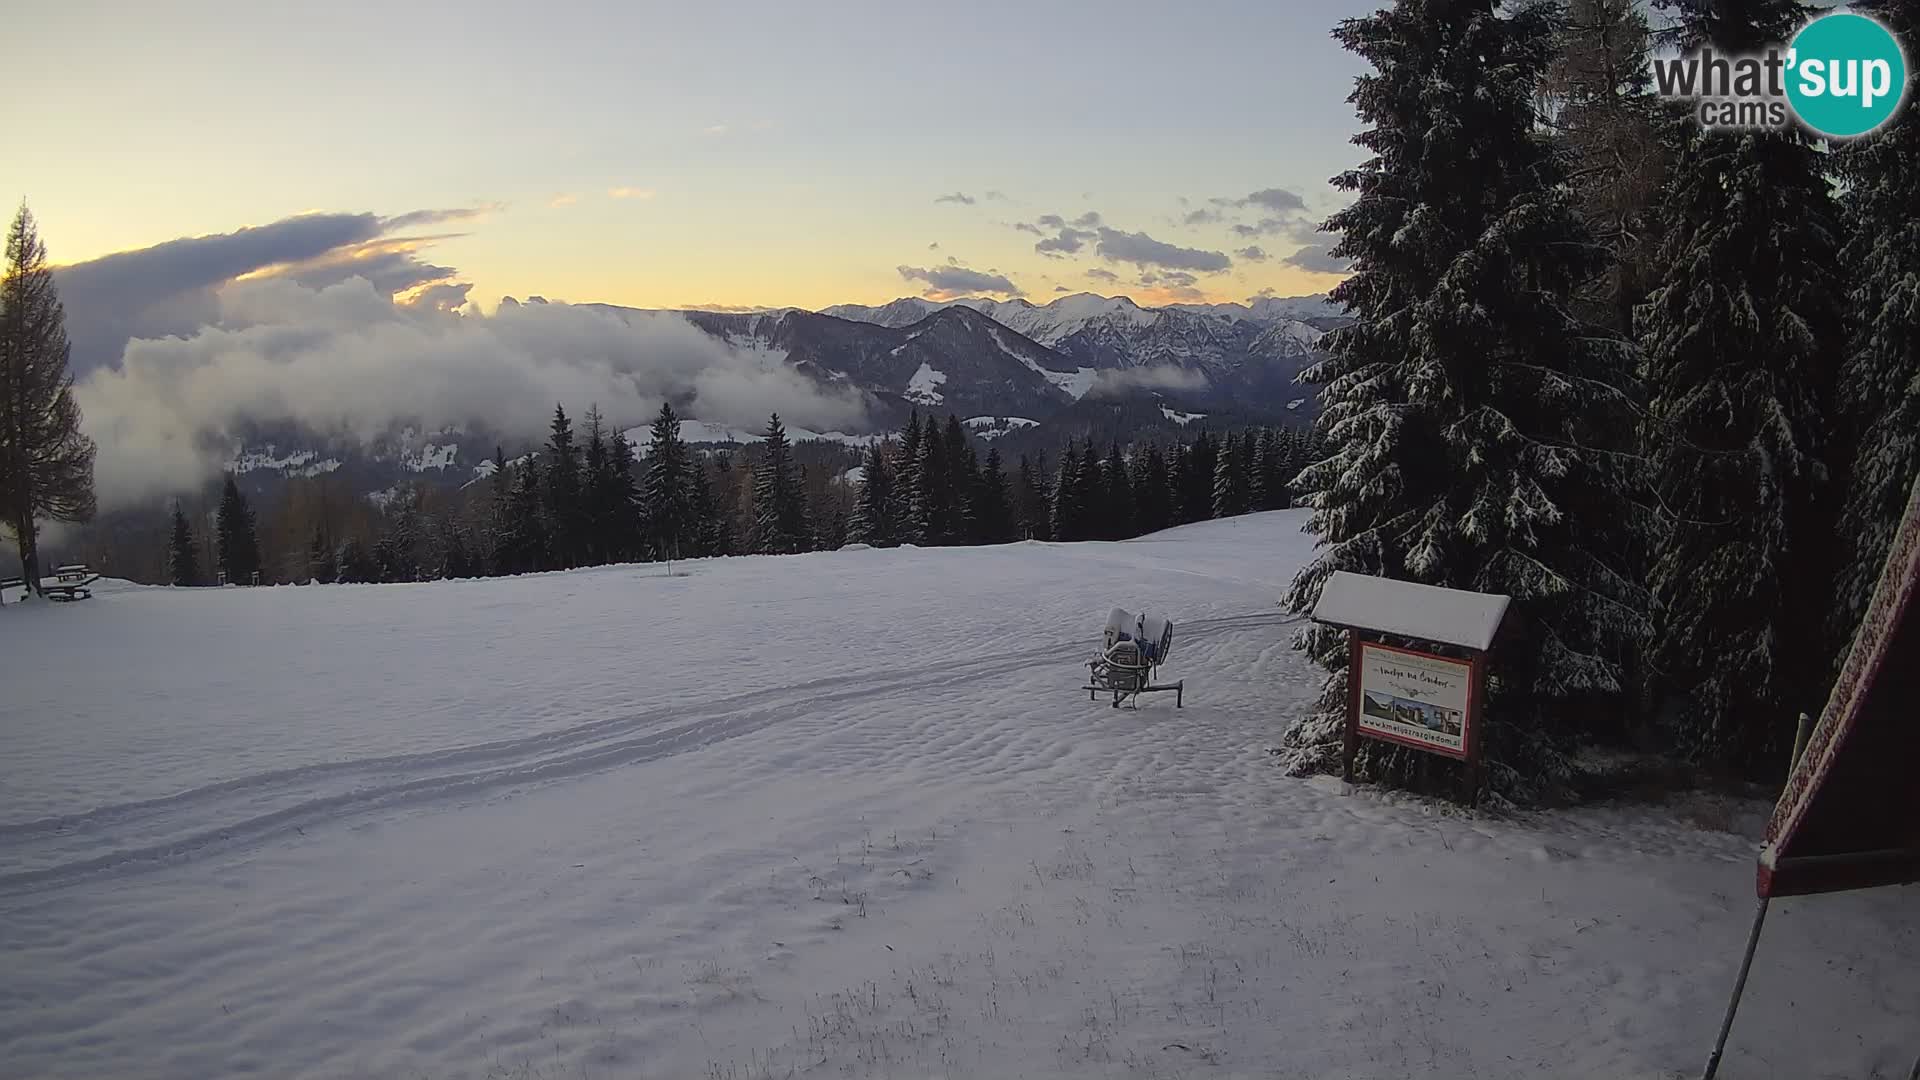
[829, 815]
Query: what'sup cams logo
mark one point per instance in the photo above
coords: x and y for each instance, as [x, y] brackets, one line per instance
[1842, 76]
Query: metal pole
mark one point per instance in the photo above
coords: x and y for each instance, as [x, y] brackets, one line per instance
[1800, 739]
[1739, 986]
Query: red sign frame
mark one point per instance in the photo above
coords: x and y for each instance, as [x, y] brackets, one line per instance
[1470, 729]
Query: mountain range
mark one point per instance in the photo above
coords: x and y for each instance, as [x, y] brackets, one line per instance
[974, 357]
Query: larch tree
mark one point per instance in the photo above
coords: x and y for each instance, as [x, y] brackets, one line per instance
[1600, 104]
[46, 461]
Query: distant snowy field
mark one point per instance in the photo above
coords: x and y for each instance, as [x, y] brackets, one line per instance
[833, 814]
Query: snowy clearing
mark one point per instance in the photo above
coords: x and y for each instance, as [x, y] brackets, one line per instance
[924, 386]
[833, 814]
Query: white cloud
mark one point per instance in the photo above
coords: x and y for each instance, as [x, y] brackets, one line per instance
[631, 192]
[347, 360]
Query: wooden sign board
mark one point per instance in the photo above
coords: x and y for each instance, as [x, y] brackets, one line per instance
[1416, 699]
[1407, 696]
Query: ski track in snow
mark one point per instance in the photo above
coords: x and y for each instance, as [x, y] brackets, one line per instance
[838, 814]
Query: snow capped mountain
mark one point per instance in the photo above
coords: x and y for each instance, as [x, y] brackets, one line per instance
[950, 358]
[1045, 324]
[1226, 353]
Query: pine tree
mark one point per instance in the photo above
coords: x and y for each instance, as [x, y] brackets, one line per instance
[320, 555]
[906, 481]
[1258, 481]
[1246, 468]
[780, 524]
[454, 549]
[183, 561]
[398, 549]
[520, 543]
[1743, 333]
[932, 508]
[873, 511]
[669, 496]
[720, 541]
[561, 502]
[700, 508]
[1290, 459]
[1179, 465]
[596, 482]
[1196, 494]
[238, 545]
[1034, 499]
[622, 501]
[993, 515]
[1463, 406]
[1068, 513]
[357, 564]
[962, 471]
[1122, 515]
[1152, 495]
[826, 511]
[46, 463]
[1095, 515]
[1229, 483]
[1880, 383]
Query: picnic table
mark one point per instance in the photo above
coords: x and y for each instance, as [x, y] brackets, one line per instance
[71, 582]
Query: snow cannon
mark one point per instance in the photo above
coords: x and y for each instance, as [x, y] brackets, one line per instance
[1131, 651]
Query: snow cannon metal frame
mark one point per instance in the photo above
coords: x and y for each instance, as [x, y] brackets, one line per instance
[1133, 648]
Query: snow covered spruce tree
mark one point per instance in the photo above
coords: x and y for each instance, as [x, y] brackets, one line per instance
[1743, 335]
[1880, 381]
[779, 506]
[1468, 415]
[46, 462]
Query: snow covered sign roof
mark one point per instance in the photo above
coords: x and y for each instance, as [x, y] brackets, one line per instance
[1427, 612]
[1850, 815]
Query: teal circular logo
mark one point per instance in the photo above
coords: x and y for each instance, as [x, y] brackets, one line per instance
[1846, 75]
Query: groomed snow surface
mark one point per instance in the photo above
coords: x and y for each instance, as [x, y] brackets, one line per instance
[829, 815]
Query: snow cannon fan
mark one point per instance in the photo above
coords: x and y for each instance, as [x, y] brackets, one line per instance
[1132, 649]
